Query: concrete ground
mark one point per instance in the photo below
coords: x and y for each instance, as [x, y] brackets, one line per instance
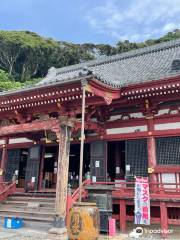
[29, 234]
[26, 233]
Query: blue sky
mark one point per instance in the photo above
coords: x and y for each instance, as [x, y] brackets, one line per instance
[97, 21]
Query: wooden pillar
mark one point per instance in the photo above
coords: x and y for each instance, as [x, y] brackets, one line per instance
[122, 215]
[3, 160]
[64, 135]
[151, 146]
[41, 169]
[164, 219]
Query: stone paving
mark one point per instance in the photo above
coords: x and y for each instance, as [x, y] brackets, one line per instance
[29, 234]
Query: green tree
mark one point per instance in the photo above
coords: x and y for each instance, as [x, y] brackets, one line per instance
[7, 82]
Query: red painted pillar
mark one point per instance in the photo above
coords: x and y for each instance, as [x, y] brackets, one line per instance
[69, 200]
[164, 219]
[3, 160]
[41, 169]
[122, 215]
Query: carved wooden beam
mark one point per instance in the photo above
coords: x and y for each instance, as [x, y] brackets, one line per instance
[19, 117]
[29, 127]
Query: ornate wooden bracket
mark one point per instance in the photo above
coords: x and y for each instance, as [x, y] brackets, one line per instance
[64, 120]
[102, 113]
[150, 109]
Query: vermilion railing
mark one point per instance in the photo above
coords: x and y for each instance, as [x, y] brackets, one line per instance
[75, 196]
[127, 188]
[158, 189]
[6, 190]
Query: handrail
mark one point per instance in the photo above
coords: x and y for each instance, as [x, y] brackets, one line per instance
[10, 189]
[74, 197]
[153, 187]
[166, 169]
[126, 188]
[75, 194]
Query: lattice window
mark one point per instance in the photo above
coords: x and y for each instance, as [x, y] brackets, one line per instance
[12, 164]
[136, 156]
[168, 151]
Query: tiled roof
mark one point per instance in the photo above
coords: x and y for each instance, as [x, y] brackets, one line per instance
[136, 66]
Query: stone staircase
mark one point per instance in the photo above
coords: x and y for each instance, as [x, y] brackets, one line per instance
[37, 209]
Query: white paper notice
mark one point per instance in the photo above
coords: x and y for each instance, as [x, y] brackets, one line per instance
[33, 179]
[117, 170]
[93, 178]
[96, 163]
[128, 167]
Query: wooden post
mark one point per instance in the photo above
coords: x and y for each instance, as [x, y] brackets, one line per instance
[41, 169]
[122, 215]
[3, 160]
[82, 140]
[164, 219]
[151, 145]
[64, 135]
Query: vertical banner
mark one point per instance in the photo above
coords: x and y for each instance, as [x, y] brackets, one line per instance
[142, 201]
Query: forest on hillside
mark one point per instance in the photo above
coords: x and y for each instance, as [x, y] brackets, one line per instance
[25, 57]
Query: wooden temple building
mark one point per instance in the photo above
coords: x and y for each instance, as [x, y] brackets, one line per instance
[132, 128]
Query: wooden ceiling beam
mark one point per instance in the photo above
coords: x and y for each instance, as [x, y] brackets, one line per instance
[35, 126]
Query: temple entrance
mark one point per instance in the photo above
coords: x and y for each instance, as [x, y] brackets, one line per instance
[17, 164]
[50, 167]
[51, 164]
[116, 161]
[74, 160]
[22, 168]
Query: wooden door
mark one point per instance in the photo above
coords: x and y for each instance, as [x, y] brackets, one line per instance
[98, 158]
[33, 162]
[12, 163]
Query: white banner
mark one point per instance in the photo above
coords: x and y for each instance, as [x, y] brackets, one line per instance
[142, 201]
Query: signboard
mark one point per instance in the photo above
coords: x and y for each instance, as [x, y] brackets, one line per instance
[142, 201]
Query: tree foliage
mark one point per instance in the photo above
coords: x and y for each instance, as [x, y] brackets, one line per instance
[7, 82]
[26, 55]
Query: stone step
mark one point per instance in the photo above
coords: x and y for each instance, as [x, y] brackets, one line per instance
[6, 207]
[36, 210]
[28, 217]
[31, 199]
[43, 192]
[25, 203]
[36, 194]
[27, 212]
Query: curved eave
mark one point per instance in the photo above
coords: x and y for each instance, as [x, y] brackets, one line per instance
[37, 88]
[102, 89]
[164, 86]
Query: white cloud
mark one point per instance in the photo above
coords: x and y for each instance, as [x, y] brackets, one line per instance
[170, 26]
[136, 20]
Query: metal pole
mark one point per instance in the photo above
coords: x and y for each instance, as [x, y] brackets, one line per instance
[82, 142]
